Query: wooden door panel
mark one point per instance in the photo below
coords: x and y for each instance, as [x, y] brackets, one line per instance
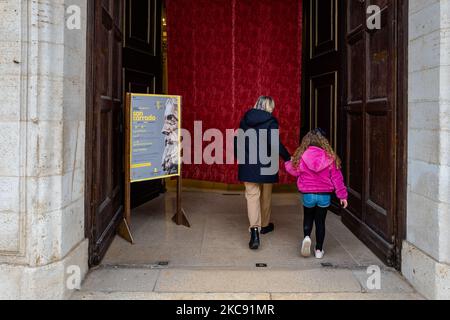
[354, 162]
[117, 84]
[324, 104]
[102, 67]
[118, 13]
[106, 4]
[324, 27]
[140, 82]
[142, 63]
[103, 218]
[141, 26]
[381, 3]
[117, 148]
[379, 60]
[322, 80]
[107, 168]
[379, 173]
[322, 67]
[355, 65]
[103, 163]
[355, 15]
[380, 168]
[370, 131]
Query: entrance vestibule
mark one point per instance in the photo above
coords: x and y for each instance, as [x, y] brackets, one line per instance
[218, 237]
[349, 87]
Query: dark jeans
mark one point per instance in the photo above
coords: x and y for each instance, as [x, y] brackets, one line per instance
[317, 216]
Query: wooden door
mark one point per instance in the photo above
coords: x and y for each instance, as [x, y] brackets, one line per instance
[370, 113]
[143, 69]
[322, 68]
[104, 172]
[354, 86]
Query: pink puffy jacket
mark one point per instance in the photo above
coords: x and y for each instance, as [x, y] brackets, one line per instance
[317, 173]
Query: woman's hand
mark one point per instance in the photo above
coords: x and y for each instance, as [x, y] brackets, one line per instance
[344, 204]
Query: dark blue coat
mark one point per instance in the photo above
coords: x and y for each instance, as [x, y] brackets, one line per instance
[258, 120]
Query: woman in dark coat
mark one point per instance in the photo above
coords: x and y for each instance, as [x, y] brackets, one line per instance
[257, 137]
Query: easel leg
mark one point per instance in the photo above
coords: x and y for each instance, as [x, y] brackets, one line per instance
[180, 217]
[124, 228]
[125, 232]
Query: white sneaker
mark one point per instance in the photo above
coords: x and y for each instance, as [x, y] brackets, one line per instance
[306, 247]
[320, 254]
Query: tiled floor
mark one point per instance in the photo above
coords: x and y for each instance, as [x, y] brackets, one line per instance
[211, 260]
[219, 238]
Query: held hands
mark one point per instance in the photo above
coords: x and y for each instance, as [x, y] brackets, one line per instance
[344, 204]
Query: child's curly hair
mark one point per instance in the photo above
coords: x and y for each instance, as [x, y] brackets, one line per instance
[315, 138]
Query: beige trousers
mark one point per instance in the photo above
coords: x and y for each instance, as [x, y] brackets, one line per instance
[259, 204]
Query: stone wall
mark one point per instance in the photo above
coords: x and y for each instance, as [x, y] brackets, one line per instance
[426, 253]
[42, 129]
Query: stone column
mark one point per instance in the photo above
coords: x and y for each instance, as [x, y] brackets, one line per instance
[42, 133]
[426, 253]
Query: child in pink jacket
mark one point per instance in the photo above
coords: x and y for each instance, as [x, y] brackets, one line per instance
[317, 168]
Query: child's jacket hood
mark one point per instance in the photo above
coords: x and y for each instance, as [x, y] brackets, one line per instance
[317, 159]
[317, 173]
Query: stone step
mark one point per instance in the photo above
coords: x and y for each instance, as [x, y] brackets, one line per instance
[242, 296]
[149, 284]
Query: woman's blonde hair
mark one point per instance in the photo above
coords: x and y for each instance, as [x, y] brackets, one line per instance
[265, 103]
[316, 138]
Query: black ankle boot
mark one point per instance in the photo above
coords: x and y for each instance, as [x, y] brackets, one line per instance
[254, 240]
[268, 229]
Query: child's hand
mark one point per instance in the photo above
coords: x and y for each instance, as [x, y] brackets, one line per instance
[344, 204]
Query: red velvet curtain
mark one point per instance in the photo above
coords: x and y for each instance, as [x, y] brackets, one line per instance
[224, 54]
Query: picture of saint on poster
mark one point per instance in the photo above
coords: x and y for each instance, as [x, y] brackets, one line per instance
[227, 310]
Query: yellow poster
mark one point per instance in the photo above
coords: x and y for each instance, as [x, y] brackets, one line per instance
[155, 137]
